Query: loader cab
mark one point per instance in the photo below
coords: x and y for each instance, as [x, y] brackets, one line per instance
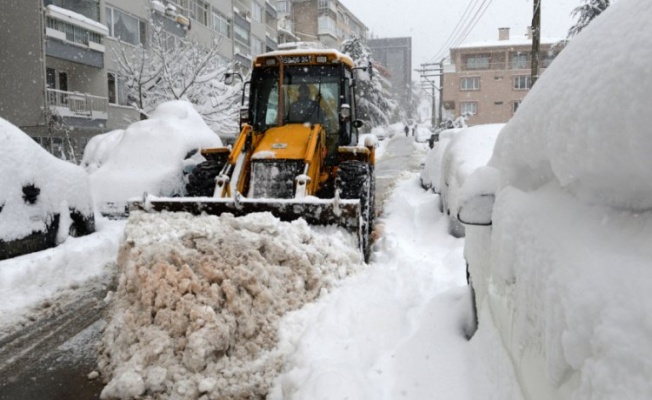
[276, 88]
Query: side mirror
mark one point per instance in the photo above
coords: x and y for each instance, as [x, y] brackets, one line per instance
[477, 196]
[358, 124]
[229, 78]
[244, 115]
[345, 112]
[477, 210]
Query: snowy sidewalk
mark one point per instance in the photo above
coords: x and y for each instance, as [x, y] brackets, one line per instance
[396, 330]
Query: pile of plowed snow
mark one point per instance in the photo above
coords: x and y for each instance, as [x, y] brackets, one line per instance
[196, 312]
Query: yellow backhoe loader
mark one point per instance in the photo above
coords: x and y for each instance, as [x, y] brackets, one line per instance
[297, 155]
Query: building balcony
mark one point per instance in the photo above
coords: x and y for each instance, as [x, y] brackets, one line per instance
[77, 105]
[73, 37]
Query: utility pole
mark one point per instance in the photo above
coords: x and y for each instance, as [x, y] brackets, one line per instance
[427, 71]
[441, 91]
[536, 39]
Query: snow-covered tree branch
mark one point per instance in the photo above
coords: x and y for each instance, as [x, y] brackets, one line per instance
[169, 67]
[585, 13]
[374, 100]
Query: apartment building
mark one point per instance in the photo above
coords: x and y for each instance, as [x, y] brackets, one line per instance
[328, 22]
[395, 54]
[487, 81]
[59, 78]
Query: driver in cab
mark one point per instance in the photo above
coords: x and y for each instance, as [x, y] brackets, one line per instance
[305, 108]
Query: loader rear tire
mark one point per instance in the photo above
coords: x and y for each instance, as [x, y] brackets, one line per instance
[201, 181]
[355, 180]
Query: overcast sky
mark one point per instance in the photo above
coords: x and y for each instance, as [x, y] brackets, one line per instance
[430, 22]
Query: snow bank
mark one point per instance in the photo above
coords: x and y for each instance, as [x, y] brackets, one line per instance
[149, 156]
[23, 162]
[431, 173]
[565, 270]
[29, 280]
[590, 132]
[199, 300]
[467, 151]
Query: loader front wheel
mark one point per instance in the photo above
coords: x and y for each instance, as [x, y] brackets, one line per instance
[201, 181]
[355, 181]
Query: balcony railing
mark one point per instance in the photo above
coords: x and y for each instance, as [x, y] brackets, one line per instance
[78, 105]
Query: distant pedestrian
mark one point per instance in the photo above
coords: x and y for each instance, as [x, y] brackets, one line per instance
[414, 130]
[407, 130]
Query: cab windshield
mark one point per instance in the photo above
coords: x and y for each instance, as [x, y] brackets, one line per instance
[311, 94]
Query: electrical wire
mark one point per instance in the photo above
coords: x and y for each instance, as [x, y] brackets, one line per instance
[458, 35]
[462, 20]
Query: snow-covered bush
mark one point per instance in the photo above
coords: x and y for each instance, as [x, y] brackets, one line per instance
[149, 156]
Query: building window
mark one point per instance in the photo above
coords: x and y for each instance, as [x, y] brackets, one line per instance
[477, 61]
[74, 33]
[241, 37]
[522, 82]
[181, 6]
[518, 60]
[284, 6]
[546, 59]
[124, 27]
[198, 10]
[256, 12]
[470, 83]
[326, 25]
[323, 4]
[117, 90]
[257, 46]
[221, 24]
[515, 106]
[469, 108]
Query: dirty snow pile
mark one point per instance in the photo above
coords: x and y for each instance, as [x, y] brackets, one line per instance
[199, 300]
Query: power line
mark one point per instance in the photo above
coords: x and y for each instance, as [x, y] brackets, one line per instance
[458, 36]
[459, 22]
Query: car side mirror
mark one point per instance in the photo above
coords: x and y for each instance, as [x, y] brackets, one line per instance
[477, 210]
[358, 124]
[477, 196]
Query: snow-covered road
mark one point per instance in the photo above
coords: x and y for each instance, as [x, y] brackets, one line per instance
[393, 329]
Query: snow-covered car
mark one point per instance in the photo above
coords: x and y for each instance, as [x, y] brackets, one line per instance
[467, 151]
[560, 249]
[153, 156]
[42, 199]
[431, 173]
[382, 132]
[422, 133]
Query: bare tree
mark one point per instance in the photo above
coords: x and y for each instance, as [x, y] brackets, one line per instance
[169, 67]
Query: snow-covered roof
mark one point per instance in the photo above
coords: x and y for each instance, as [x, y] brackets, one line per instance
[512, 42]
[299, 50]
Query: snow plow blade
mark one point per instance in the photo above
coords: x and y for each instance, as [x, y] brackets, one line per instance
[340, 212]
